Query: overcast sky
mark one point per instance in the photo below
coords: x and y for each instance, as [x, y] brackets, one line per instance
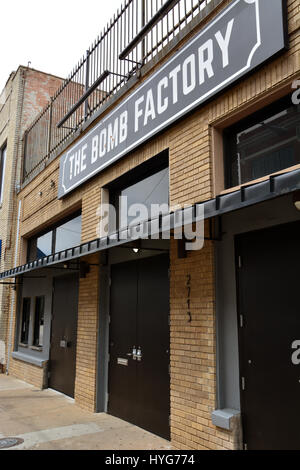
[52, 35]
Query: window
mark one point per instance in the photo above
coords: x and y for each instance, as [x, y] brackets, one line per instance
[44, 245]
[146, 185]
[38, 322]
[59, 238]
[68, 234]
[2, 171]
[25, 321]
[264, 143]
[150, 191]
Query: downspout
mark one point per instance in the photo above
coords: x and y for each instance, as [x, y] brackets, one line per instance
[12, 302]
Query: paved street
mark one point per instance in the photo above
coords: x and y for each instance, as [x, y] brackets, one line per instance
[47, 420]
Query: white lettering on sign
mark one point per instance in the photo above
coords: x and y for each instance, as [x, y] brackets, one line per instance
[296, 354]
[174, 77]
[224, 42]
[184, 76]
[241, 37]
[162, 104]
[109, 138]
[77, 161]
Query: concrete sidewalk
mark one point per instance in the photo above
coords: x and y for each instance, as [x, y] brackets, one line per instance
[47, 420]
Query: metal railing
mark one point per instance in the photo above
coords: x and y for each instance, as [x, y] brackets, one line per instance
[43, 137]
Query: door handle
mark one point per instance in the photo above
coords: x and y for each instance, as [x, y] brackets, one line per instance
[139, 354]
[133, 354]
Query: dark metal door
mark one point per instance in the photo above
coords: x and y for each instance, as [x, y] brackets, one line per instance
[122, 367]
[268, 287]
[153, 379]
[64, 334]
[140, 391]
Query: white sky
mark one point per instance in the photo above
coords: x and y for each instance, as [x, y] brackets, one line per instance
[52, 35]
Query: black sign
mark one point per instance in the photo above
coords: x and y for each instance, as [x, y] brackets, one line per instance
[243, 36]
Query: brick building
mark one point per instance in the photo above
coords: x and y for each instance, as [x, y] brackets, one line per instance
[197, 345]
[25, 94]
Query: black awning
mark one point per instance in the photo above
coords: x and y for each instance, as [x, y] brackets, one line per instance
[274, 186]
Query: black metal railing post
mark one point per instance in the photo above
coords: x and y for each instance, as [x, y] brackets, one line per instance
[24, 148]
[87, 83]
[143, 22]
[50, 128]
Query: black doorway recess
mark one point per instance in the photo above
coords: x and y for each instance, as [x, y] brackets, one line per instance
[64, 334]
[268, 297]
[139, 381]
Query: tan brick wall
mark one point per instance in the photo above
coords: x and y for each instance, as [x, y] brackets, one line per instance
[87, 331]
[193, 352]
[29, 373]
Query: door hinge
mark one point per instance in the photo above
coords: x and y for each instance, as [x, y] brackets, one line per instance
[243, 383]
[245, 446]
[241, 321]
[240, 262]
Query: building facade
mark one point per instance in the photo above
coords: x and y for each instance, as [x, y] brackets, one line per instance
[199, 346]
[25, 94]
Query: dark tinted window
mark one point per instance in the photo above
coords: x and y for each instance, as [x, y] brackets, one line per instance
[38, 321]
[150, 191]
[63, 236]
[146, 184]
[44, 245]
[25, 320]
[267, 142]
[68, 234]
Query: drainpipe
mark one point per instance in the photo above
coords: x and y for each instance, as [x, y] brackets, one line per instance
[12, 302]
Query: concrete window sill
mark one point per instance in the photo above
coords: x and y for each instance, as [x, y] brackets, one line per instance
[225, 418]
[29, 359]
[36, 348]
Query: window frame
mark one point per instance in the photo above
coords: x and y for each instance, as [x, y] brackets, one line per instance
[22, 343]
[51, 229]
[136, 175]
[39, 346]
[248, 121]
